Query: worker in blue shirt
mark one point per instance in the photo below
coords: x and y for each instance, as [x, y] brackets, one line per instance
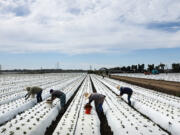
[126, 90]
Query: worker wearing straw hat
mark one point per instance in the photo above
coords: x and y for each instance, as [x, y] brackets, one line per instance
[126, 90]
[98, 98]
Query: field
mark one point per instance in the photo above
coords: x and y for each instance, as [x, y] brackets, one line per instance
[166, 83]
[163, 76]
[151, 113]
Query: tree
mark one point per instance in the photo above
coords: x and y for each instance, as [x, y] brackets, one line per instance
[157, 67]
[123, 68]
[161, 67]
[140, 68]
[128, 68]
[134, 68]
[176, 67]
[150, 67]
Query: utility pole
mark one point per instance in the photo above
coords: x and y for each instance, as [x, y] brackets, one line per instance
[0, 68]
[57, 65]
[41, 69]
[90, 67]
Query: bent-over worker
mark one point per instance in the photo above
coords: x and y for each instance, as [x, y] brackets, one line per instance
[34, 90]
[58, 94]
[98, 98]
[126, 90]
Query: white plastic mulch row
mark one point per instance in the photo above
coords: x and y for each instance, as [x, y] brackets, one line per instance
[75, 121]
[17, 94]
[122, 119]
[166, 98]
[162, 76]
[22, 81]
[156, 100]
[20, 93]
[15, 86]
[7, 99]
[157, 108]
[8, 111]
[88, 124]
[35, 120]
[14, 92]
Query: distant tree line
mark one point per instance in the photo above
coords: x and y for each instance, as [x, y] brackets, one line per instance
[42, 71]
[176, 67]
[140, 68]
[0, 68]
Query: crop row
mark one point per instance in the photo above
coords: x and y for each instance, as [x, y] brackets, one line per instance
[168, 77]
[75, 121]
[9, 89]
[39, 117]
[122, 118]
[7, 96]
[11, 109]
[166, 114]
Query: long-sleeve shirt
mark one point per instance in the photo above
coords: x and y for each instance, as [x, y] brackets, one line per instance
[57, 94]
[33, 90]
[99, 98]
[125, 90]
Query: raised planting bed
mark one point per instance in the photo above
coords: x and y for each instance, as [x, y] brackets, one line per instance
[122, 118]
[168, 87]
[35, 120]
[161, 108]
[75, 121]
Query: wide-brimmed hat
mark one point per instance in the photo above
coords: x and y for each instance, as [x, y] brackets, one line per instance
[86, 95]
[118, 87]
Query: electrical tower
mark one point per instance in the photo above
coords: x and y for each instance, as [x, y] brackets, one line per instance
[90, 67]
[0, 68]
[57, 65]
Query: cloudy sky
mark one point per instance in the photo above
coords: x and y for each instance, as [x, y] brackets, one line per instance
[80, 33]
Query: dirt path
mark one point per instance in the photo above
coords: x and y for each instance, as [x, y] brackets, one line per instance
[168, 87]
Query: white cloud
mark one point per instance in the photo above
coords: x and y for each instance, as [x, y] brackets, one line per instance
[83, 26]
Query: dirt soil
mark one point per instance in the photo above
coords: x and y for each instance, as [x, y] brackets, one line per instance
[168, 87]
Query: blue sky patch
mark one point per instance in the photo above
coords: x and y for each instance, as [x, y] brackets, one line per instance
[165, 26]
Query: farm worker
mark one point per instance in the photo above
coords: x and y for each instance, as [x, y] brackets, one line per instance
[98, 98]
[34, 90]
[58, 94]
[126, 90]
